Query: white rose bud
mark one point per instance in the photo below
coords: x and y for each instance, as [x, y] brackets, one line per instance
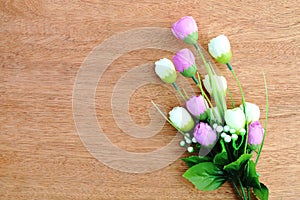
[165, 69]
[181, 119]
[235, 118]
[220, 82]
[219, 48]
[252, 112]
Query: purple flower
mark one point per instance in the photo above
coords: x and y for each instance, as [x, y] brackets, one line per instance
[186, 29]
[196, 105]
[204, 134]
[255, 133]
[184, 62]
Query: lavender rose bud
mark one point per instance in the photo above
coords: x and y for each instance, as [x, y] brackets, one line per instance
[204, 134]
[197, 106]
[186, 30]
[255, 133]
[184, 62]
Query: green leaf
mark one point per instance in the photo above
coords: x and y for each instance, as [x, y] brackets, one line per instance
[194, 160]
[236, 165]
[221, 159]
[262, 193]
[251, 176]
[205, 176]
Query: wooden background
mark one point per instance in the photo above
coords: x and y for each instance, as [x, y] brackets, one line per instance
[43, 44]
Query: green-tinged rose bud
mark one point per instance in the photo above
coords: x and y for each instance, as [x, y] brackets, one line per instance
[235, 118]
[252, 112]
[220, 81]
[165, 69]
[181, 118]
[219, 48]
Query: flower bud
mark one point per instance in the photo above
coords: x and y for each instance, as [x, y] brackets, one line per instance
[252, 112]
[255, 133]
[165, 69]
[219, 48]
[184, 62]
[197, 106]
[181, 118]
[186, 29]
[204, 134]
[235, 118]
[220, 82]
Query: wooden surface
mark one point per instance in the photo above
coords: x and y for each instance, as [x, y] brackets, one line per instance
[44, 43]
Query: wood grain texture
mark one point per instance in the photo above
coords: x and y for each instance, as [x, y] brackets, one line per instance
[43, 44]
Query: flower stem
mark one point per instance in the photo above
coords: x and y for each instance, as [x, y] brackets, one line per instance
[195, 80]
[249, 193]
[236, 189]
[266, 120]
[242, 188]
[178, 90]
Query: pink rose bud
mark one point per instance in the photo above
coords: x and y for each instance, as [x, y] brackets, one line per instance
[186, 29]
[184, 62]
[255, 133]
[197, 106]
[204, 134]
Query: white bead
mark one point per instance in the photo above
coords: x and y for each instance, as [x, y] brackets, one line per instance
[219, 129]
[232, 130]
[182, 143]
[223, 135]
[188, 141]
[234, 137]
[194, 140]
[227, 138]
[226, 128]
[190, 149]
[215, 125]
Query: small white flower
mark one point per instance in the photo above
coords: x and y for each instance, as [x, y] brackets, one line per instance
[242, 131]
[232, 130]
[166, 71]
[220, 82]
[181, 118]
[182, 143]
[227, 138]
[252, 112]
[194, 140]
[190, 149]
[226, 128]
[219, 48]
[219, 129]
[234, 137]
[235, 118]
[223, 135]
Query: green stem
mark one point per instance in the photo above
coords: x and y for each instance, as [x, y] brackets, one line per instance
[248, 191]
[195, 80]
[266, 120]
[178, 90]
[231, 98]
[236, 189]
[242, 188]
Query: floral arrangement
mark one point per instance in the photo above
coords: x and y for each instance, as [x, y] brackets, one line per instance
[225, 143]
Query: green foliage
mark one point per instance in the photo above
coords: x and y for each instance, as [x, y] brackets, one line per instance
[206, 176]
[235, 166]
[251, 176]
[221, 159]
[194, 160]
[262, 193]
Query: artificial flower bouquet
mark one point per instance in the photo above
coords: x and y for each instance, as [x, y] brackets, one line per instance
[225, 143]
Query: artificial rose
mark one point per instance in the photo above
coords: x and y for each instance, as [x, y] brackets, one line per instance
[197, 106]
[219, 48]
[220, 82]
[184, 62]
[204, 134]
[252, 112]
[186, 29]
[235, 118]
[165, 69]
[181, 118]
[255, 133]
